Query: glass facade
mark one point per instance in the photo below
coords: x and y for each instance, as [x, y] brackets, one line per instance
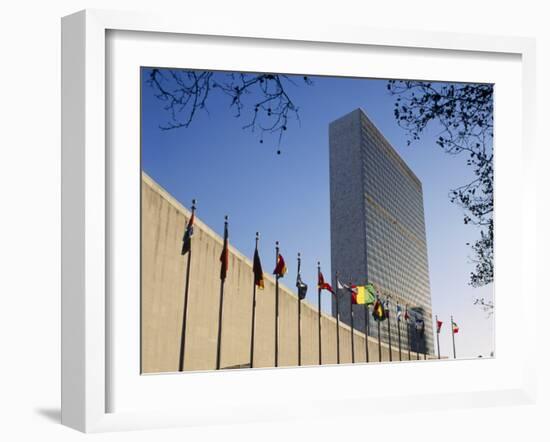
[389, 234]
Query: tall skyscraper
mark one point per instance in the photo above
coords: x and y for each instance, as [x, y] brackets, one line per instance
[378, 232]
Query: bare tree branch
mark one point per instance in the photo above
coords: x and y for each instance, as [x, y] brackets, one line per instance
[464, 112]
[263, 98]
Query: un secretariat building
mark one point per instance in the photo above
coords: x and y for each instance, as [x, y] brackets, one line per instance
[378, 232]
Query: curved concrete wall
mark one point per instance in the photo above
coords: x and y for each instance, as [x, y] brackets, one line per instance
[163, 276]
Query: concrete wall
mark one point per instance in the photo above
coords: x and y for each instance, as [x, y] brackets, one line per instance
[163, 276]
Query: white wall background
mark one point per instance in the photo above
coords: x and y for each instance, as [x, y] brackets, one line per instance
[30, 213]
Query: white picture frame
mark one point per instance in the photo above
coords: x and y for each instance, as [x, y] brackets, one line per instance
[88, 318]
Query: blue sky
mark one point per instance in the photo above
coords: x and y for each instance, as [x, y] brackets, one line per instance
[286, 197]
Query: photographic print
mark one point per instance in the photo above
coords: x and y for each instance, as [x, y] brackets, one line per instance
[304, 220]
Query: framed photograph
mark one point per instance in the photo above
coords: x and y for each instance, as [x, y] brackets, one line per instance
[251, 213]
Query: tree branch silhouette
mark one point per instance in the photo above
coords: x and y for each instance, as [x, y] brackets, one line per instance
[262, 98]
[464, 114]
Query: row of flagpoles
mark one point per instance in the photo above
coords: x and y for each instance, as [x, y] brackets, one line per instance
[365, 295]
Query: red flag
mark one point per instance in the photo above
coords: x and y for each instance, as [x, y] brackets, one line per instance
[280, 267]
[455, 328]
[439, 324]
[322, 285]
[353, 290]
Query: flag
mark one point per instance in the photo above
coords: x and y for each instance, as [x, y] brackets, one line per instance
[341, 286]
[420, 326]
[349, 288]
[455, 327]
[378, 311]
[224, 257]
[301, 286]
[280, 268]
[439, 324]
[399, 312]
[322, 285]
[361, 294]
[187, 235]
[257, 269]
[371, 289]
[355, 294]
[406, 315]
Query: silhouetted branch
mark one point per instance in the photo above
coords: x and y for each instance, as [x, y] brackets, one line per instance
[487, 306]
[464, 114]
[185, 93]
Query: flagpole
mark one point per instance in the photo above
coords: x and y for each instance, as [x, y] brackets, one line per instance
[366, 332]
[399, 335]
[351, 324]
[220, 312]
[337, 296]
[352, 338]
[379, 343]
[389, 329]
[437, 337]
[299, 316]
[253, 327]
[417, 339]
[276, 306]
[319, 312]
[453, 335]
[408, 331]
[185, 301]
